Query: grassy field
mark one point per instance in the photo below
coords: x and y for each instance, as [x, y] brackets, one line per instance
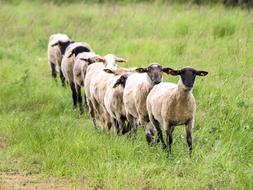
[40, 133]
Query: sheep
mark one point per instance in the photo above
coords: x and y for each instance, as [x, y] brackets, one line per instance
[170, 105]
[56, 48]
[135, 93]
[95, 84]
[81, 63]
[113, 98]
[67, 67]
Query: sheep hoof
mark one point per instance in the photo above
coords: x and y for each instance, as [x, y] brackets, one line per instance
[149, 138]
[81, 111]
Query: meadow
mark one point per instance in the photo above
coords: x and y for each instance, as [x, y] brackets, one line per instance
[41, 133]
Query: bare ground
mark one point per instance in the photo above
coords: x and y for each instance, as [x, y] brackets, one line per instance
[22, 181]
[19, 181]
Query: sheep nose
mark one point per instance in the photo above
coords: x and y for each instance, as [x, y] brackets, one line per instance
[157, 82]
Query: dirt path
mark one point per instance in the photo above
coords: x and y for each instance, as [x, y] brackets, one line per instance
[17, 181]
[21, 181]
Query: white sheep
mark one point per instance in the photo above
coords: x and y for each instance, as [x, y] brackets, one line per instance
[170, 105]
[67, 66]
[95, 84]
[137, 87]
[113, 98]
[56, 48]
[82, 61]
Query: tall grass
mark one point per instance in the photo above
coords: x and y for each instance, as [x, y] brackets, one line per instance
[44, 134]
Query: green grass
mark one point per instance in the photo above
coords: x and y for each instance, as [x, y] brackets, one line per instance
[43, 133]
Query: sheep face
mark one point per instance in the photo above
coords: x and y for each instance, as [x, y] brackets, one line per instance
[154, 71]
[187, 75]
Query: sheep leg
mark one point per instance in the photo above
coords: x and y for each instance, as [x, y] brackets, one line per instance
[85, 100]
[122, 124]
[79, 98]
[100, 114]
[121, 120]
[169, 133]
[53, 70]
[127, 127]
[159, 131]
[188, 128]
[133, 125]
[157, 125]
[74, 95]
[62, 78]
[108, 122]
[148, 133]
[116, 125]
[92, 113]
[105, 120]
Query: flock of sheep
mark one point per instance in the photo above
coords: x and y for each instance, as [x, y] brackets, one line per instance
[125, 98]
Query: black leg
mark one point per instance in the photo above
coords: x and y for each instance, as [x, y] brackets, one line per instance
[74, 95]
[189, 140]
[126, 128]
[53, 70]
[108, 122]
[188, 129]
[149, 138]
[62, 78]
[169, 132]
[122, 124]
[159, 132]
[79, 98]
[116, 125]
[133, 126]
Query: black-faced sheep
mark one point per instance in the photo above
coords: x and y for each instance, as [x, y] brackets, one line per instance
[170, 105]
[137, 88]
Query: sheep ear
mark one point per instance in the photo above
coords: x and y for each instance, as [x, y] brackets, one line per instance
[84, 59]
[201, 73]
[89, 60]
[72, 41]
[141, 70]
[171, 71]
[109, 71]
[117, 83]
[71, 54]
[121, 81]
[55, 44]
[120, 60]
[100, 59]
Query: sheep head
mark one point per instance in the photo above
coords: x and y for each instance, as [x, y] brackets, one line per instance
[187, 75]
